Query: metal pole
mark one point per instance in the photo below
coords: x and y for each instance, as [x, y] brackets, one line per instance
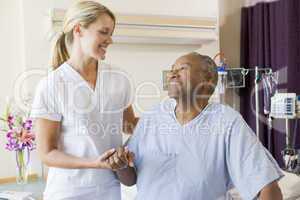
[287, 136]
[257, 101]
[269, 133]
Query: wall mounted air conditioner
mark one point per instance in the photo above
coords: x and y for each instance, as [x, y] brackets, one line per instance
[151, 29]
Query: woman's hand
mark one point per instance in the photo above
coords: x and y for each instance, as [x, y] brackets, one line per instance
[102, 161]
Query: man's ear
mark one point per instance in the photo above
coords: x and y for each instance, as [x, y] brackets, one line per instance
[211, 87]
[77, 30]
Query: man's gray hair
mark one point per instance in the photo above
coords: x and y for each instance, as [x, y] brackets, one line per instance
[208, 66]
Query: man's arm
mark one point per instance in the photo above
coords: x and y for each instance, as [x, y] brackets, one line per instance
[247, 157]
[129, 120]
[271, 192]
[127, 176]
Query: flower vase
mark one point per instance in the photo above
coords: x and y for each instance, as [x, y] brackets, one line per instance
[22, 160]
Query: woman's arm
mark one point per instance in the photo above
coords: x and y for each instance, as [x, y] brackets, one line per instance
[48, 133]
[129, 120]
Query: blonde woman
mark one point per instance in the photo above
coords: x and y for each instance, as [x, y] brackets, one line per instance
[80, 108]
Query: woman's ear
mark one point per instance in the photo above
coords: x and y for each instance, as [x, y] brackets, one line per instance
[77, 30]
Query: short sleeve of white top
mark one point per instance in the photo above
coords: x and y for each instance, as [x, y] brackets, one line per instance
[202, 159]
[45, 104]
[91, 121]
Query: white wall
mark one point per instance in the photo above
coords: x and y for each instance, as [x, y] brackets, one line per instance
[11, 49]
[194, 8]
[37, 49]
[230, 33]
[143, 62]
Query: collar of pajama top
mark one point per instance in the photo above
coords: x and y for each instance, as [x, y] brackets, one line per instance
[202, 159]
[91, 121]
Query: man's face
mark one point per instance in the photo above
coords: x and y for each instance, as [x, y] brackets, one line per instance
[186, 79]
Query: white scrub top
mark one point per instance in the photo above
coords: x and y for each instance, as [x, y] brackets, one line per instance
[91, 123]
[202, 159]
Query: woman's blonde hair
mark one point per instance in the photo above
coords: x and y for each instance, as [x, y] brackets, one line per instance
[83, 13]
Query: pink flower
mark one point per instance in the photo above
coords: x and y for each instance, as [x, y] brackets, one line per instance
[19, 134]
[10, 119]
[26, 136]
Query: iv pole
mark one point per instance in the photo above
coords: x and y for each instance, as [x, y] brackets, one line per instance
[257, 71]
[256, 80]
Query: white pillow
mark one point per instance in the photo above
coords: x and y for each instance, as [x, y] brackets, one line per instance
[128, 193]
[290, 186]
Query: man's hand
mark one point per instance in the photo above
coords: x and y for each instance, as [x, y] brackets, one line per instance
[122, 162]
[121, 159]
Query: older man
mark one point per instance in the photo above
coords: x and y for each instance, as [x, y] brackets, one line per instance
[188, 149]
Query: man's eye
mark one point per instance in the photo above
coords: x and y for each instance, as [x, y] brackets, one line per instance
[103, 32]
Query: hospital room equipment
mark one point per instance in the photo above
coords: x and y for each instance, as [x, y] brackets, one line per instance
[258, 74]
[222, 81]
[286, 106]
[276, 105]
[270, 82]
[282, 106]
[236, 78]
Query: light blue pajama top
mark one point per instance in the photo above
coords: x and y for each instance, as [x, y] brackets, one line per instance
[200, 160]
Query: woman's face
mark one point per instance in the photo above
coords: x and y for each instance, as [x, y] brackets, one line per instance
[96, 37]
